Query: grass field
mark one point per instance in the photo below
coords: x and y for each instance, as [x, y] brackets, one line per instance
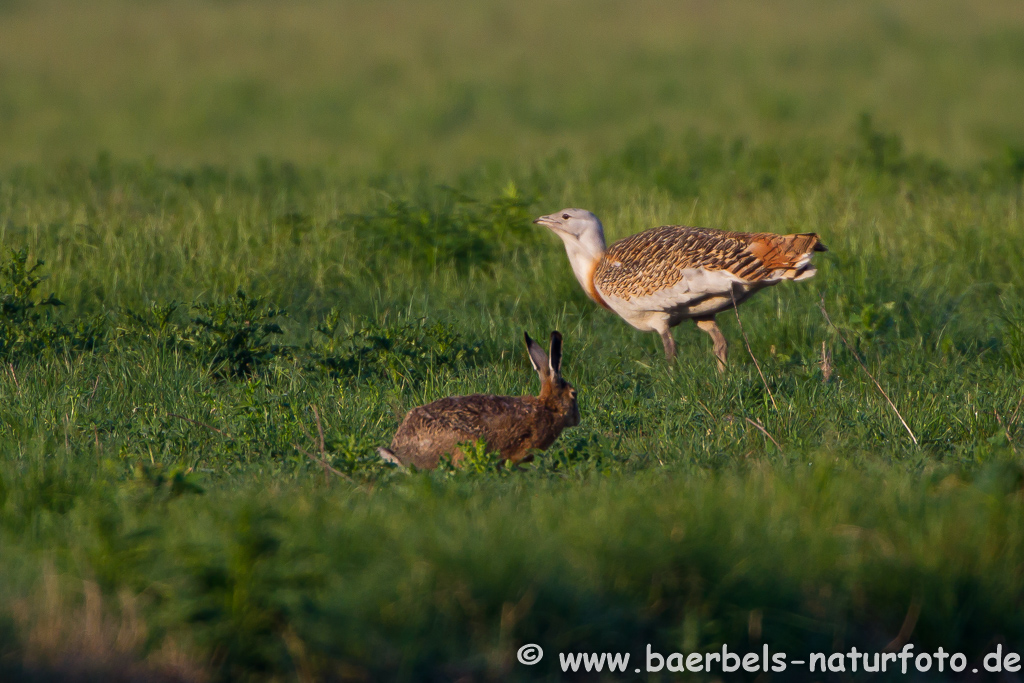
[229, 226]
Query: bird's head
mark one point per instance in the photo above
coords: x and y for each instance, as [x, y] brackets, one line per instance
[578, 228]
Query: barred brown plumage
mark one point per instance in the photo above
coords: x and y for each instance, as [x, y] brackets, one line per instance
[659, 277]
[655, 259]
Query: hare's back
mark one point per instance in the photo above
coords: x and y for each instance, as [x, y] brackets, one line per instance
[430, 431]
[476, 415]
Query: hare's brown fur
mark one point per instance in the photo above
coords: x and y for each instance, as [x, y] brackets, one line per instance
[514, 426]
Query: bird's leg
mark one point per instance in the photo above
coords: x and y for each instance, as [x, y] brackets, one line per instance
[669, 343]
[721, 347]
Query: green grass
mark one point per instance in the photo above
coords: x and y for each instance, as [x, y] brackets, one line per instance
[316, 217]
[407, 82]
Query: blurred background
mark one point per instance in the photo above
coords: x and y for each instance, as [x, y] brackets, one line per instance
[422, 82]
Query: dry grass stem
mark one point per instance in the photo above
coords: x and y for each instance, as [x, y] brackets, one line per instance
[63, 640]
[14, 377]
[322, 445]
[1013, 420]
[323, 463]
[907, 628]
[320, 430]
[92, 393]
[760, 427]
[736, 310]
[826, 363]
[195, 422]
[821, 305]
[1005, 430]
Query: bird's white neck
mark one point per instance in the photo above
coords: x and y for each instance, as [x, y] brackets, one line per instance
[584, 253]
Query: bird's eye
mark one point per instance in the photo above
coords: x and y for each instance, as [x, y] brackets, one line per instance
[565, 216]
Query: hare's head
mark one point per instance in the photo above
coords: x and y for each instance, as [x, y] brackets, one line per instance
[555, 392]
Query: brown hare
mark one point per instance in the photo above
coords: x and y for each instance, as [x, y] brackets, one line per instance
[514, 426]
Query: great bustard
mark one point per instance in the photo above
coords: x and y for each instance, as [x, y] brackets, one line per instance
[657, 278]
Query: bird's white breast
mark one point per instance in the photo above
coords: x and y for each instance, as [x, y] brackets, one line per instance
[699, 292]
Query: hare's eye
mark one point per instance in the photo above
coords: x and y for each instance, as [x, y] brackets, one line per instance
[565, 216]
[572, 394]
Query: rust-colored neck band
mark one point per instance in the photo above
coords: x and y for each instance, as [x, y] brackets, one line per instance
[592, 289]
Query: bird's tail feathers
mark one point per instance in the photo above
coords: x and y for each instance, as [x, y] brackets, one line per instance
[803, 244]
[788, 257]
[804, 273]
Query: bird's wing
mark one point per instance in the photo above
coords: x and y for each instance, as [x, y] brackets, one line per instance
[656, 259]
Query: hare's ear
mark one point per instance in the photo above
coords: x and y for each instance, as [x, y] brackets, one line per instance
[538, 358]
[556, 354]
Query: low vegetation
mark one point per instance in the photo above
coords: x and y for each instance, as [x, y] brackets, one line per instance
[201, 350]
[207, 470]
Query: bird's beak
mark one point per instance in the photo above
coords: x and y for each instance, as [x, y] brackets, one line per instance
[549, 222]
